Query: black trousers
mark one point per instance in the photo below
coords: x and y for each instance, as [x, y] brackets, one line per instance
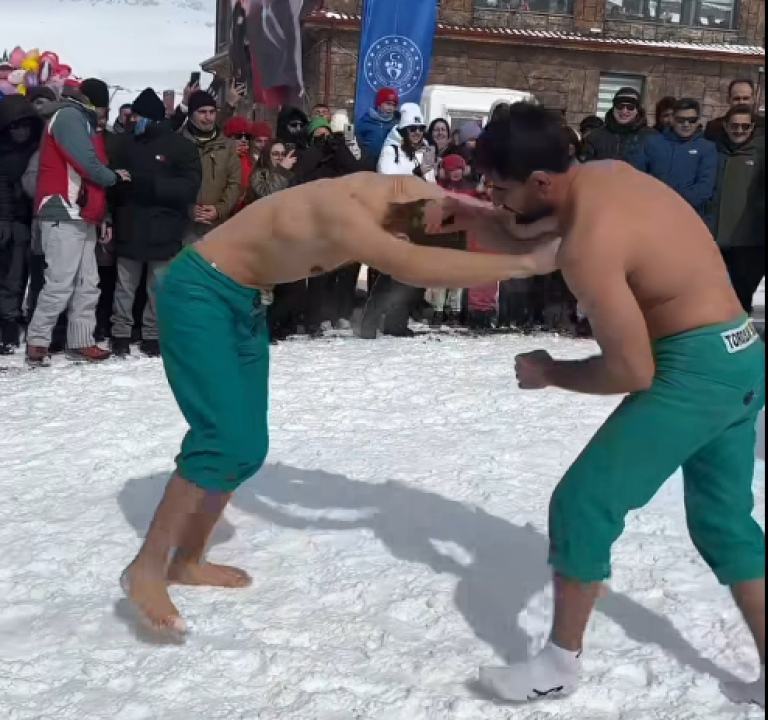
[746, 266]
[331, 296]
[285, 313]
[13, 279]
[390, 300]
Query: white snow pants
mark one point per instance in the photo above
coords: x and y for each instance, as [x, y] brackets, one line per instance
[71, 284]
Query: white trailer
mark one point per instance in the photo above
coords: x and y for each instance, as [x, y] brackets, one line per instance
[459, 104]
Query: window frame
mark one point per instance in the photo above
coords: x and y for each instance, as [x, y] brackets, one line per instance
[482, 6]
[697, 9]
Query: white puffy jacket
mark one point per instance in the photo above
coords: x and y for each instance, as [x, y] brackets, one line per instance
[393, 159]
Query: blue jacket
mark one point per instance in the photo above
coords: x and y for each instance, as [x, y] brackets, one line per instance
[372, 130]
[687, 166]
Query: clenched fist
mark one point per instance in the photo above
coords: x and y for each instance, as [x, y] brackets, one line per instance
[534, 370]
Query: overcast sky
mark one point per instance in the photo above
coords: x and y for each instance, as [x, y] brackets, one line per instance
[128, 43]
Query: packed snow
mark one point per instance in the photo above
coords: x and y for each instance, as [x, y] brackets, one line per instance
[397, 537]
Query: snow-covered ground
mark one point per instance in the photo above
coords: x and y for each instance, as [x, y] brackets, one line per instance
[397, 539]
[130, 44]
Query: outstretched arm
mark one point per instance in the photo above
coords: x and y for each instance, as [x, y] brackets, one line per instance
[351, 225]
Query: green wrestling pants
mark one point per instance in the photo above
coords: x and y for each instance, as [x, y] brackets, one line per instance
[700, 414]
[215, 347]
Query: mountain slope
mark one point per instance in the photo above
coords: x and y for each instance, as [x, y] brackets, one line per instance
[131, 44]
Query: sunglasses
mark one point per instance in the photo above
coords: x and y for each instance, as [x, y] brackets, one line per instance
[296, 125]
[740, 127]
[241, 136]
[686, 120]
[625, 106]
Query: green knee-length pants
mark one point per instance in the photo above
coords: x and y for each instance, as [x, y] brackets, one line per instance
[215, 348]
[700, 414]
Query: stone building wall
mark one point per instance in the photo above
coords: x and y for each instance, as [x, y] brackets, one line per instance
[561, 79]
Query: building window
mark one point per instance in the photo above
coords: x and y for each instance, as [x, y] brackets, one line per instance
[610, 84]
[556, 7]
[223, 23]
[712, 14]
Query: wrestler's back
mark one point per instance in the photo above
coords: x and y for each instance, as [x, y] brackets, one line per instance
[672, 262]
[281, 238]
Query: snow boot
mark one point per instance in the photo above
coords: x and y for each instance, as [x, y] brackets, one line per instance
[38, 356]
[121, 347]
[150, 348]
[91, 354]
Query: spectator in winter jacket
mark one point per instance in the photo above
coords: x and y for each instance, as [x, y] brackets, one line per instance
[222, 174]
[291, 126]
[741, 93]
[406, 152]
[682, 158]
[739, 205]
[20, 131]
[374, 127]
[240, 130]
[70, 204]
[330, 298]
[262, 137]
[665, 110]
[150, 215]
[273, 173]
[439, 137]
[624, 132]
[589, 124]
[123, 122]
[40, 96]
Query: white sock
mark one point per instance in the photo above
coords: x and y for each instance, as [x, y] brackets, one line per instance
[554, 672]
[747, 693]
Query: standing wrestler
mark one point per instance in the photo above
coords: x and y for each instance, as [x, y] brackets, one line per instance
[675, 339]
[215, 344]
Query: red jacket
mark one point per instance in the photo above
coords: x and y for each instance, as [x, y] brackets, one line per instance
[73, 175]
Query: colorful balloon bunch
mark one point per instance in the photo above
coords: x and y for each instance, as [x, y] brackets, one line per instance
[21, 70]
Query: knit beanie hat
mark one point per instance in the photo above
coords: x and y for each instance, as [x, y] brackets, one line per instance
[96, 91]
[261, 130]
[40, 92]
[386, 95]
[627, 94]
[316, 124]
[199, 100]
[149, 105]
[453, 162]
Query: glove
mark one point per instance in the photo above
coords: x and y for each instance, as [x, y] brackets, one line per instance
[6, 233]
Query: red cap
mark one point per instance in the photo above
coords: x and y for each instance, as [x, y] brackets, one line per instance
[386, 95]
[453, 162]
[261, 130]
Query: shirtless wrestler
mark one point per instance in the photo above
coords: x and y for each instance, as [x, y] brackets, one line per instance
[675, 339]
[215, 346]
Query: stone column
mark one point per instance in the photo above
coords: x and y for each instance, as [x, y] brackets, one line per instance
[751, 22]
[588, 14]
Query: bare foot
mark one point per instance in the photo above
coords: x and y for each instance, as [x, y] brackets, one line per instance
[207, 574]
[152, 602]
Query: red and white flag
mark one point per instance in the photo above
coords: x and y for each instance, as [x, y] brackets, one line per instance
[266, 48]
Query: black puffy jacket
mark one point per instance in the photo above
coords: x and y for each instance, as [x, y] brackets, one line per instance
[14, 157]
[151, 214]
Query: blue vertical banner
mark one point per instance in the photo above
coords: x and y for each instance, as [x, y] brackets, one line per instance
[395, 49]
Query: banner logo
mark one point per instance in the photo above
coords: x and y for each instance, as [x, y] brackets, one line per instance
[394, 62]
